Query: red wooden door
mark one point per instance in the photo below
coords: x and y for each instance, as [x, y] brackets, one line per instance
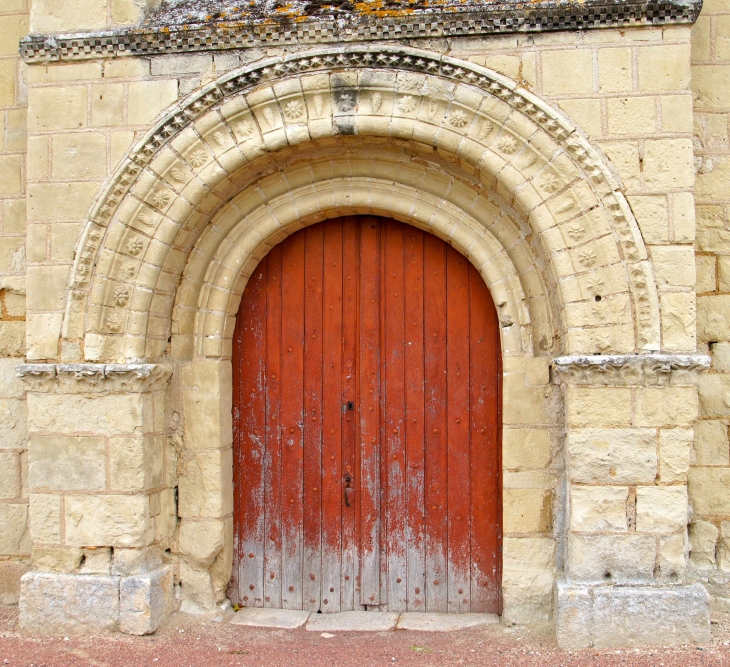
[367, 465]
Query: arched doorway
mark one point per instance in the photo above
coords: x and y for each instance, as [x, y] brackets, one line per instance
[366, 408]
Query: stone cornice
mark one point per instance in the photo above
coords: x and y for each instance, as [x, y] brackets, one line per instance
[351, 27]
[101, 378]
[612, 369]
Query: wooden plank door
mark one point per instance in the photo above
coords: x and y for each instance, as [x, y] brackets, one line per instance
[367, 425]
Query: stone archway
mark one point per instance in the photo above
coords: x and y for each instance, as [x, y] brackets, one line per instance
[441, 144]
[217, 142]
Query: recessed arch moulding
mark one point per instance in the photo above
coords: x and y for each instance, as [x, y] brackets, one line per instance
[439, 143]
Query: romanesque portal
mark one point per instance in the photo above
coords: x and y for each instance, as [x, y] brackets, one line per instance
[177, 436]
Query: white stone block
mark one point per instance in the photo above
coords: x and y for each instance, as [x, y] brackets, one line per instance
[528, 579]
[201, 541]
[703, 543]
[596, 508]
[67, 463]
[439, 622]
[113, 520]
[617, 559]
[182, 64]
[145, 601]
[69, 602]
[610, 616]
[661, 509]
[674, 453]
[651, 616]
[197, 590]
[573, 622]
[128, 562]
[616, 456]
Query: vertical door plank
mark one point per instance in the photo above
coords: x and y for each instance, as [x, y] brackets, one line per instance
[436, 474]
[251, 435]
[486, 447]
[272, 462]
[415, 460]
[312, 516]
[457, 373]
[332, 404]
[369, 404]
[292, 407]
[349, 349]
[394, 564]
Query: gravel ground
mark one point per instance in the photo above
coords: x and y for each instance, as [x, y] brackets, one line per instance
[188, 642]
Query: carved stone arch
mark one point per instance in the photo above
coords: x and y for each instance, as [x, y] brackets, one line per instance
[476, 128]
[237, 241]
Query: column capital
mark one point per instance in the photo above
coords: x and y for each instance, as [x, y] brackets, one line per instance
[101, 378]
[628, 369]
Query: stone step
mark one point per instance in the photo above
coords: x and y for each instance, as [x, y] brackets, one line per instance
[353, 621]
[360, 621]
[439, 622]
[270, 618]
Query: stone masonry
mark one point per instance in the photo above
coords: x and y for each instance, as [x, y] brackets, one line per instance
[709, 533]
[14, 536]
[580, 168]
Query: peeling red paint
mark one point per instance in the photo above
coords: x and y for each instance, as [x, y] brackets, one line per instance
[366, 423]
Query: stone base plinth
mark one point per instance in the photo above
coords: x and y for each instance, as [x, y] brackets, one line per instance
[613, 616]
[51, 602]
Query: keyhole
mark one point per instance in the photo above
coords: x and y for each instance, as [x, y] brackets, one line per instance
[350, 405]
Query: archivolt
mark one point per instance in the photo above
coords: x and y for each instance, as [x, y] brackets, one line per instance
[582, 240]
[243, 232]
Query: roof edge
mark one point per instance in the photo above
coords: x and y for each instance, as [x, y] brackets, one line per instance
[524, 17]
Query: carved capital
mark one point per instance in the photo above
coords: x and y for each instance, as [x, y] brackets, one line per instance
[629, 369]
[97, 378]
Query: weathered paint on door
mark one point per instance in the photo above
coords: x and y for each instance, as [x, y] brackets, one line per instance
[367, 425]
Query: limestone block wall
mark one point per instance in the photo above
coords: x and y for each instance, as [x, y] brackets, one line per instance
[85, 116]
[109, 455]
[628, 441]
[628, 459]
[14, 538]
[629, 91]
[206, 484]
[49, 16]
[532, 502]
[710, 474]
[101, 504]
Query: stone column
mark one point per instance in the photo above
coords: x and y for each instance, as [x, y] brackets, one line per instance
[629, 430]
[100, 509]
[206, 485]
